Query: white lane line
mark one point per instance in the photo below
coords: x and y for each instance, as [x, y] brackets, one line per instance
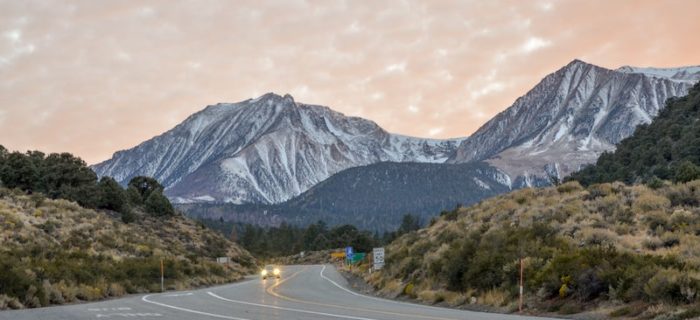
[289, 309]
[214, 315]
[179, 294]
[415, 305]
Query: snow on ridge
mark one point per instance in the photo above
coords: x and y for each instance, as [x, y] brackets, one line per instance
[687, 74]
[481, 184]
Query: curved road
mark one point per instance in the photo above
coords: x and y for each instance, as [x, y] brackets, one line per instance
[304, 292]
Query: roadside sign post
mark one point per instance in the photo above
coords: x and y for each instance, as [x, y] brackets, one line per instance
[378, 257]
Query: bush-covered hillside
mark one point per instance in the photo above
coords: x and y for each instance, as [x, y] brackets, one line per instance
[582, 247]
[54, 252]
[666, 149]
[65, 236]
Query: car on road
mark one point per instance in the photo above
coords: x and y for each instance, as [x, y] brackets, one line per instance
[270, 272]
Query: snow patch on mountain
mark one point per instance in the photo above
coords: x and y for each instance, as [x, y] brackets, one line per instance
[682, 74]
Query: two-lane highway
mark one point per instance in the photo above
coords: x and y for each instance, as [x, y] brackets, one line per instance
[303, 292]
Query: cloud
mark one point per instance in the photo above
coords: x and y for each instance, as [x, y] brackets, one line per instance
[396, 67]
[435, 131]
[489, 88]
[534, 43]
[15, 48]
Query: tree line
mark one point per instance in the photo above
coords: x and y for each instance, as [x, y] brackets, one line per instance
[287, 239]
[65, 176]
[666, 149]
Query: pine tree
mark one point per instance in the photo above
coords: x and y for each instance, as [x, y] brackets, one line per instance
[112, 196]
[158, 205]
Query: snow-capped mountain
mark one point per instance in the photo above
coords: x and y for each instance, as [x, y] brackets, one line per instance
[571, 117]
[264, 150]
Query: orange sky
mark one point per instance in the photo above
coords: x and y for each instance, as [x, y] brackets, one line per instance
[93, 77]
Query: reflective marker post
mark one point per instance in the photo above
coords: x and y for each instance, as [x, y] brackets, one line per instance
[162, 278]
[520, 305]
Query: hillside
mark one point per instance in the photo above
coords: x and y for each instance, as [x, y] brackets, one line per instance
[668, 148]
[55, 252]
[626, 250]
[65, 236]
[374, 197]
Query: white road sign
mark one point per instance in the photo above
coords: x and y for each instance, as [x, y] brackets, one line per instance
[378, 255]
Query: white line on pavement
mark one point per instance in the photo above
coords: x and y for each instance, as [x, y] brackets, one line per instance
[289, 309]
[178, 294]
[145, 299]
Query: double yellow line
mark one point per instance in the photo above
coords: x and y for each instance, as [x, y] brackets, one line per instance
[271, 291]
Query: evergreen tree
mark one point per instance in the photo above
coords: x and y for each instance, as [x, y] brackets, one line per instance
[19, 172]
[112, 196]
[145, 186]
[133, 196]
[687, 171]
[158, 205]
[408, 223]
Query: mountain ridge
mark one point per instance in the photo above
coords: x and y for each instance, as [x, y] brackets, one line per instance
[568, 119]
[264, 150]
[271, 149]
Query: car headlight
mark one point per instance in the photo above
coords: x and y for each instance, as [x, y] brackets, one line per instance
[264, 272]
[276, 271]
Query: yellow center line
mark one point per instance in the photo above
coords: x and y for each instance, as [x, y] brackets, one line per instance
[271, 290]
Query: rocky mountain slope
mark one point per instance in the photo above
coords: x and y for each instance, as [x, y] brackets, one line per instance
[264, 150]
[572, 116]
[667, 149]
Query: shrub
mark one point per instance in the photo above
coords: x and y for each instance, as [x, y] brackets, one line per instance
[684, 194]
[599, 190]
[54, 295]
[664, 286]
[9, 303]
[430, 296]
[68, 292]
[409, 290]
[115, 290]
[647, 202]
[569, 187]
[494, 297]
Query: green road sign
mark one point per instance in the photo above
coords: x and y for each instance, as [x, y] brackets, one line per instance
[356, 257]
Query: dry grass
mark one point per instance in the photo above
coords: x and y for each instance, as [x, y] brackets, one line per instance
[494, 298]
[430, 296]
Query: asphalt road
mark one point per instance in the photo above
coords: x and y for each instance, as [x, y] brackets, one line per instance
[304, 292]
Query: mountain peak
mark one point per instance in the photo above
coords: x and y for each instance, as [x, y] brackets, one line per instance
[577, 63]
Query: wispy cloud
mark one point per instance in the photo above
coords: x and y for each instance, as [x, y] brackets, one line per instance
[94, 77]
